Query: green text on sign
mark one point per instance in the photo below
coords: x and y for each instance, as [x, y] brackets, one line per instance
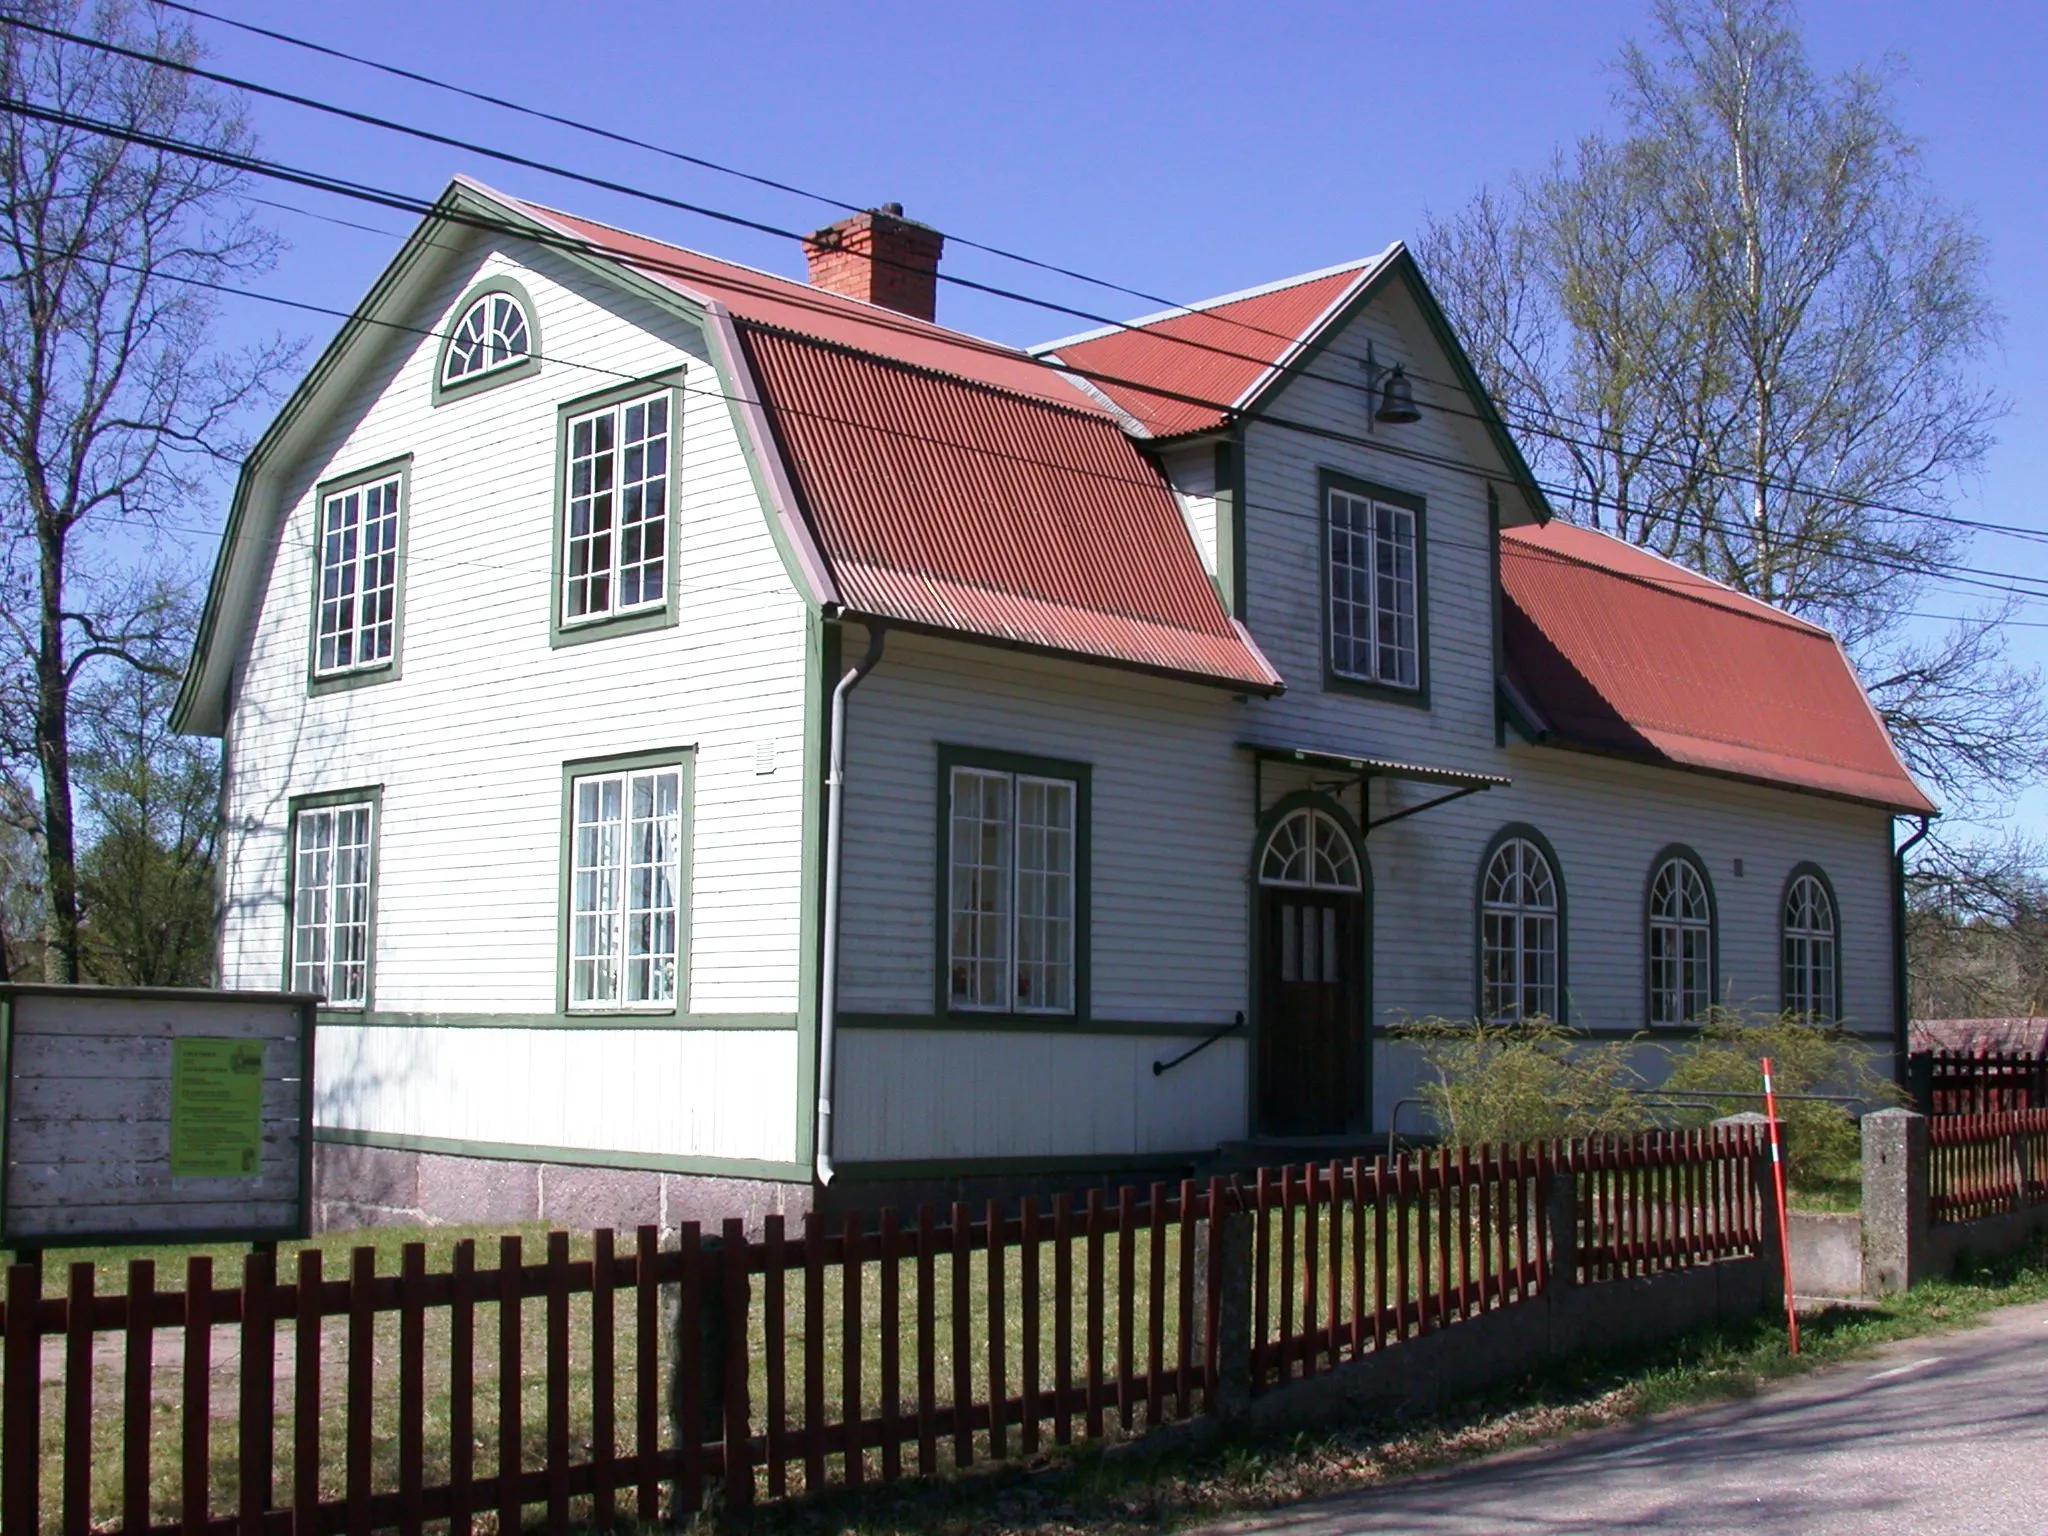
[216, 1107]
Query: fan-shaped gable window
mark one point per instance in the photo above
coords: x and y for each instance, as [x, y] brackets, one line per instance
[1310, 852]
[1681, 942]
[1520, 929]
[1812, 969]
[493, 338]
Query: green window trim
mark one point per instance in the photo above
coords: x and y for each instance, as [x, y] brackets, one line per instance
[665, 614]
[368, 794]
[342, 680]
[684, 759]
[489, 378]
[1524, 830]
[1687, 854]
[1806, 868]
[1328, 480]
[951, 756]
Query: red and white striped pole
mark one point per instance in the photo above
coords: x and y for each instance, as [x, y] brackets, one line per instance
[1784, 1222]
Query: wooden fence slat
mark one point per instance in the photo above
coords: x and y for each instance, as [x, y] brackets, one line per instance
[1028, 1300]
[197, 1371]
[814, 1352]
[892, 1336]
[1284, 1281]
[21, 1409]
[1333, 1279]
[362, 1386]
[1126, 1299]
[692, 1371]
[1063, 1318]
[961, 1274]
[78, 1374]
[1401, 1258]
[996, 1255]
[558, 1383]
[927, 1343]
[604, 1345]
[1184, 1374]
[1094, 1235]
[510, 1379]
[1262, 1275]
[255, 1457]
[739, 1462]
[412, 1387]
[1311, 1264]
[852, 1412]
[775, 1350]
[462, 1388]
[1446, 1298]
[1211, 1302]
[1380, 1256]
[1463, 1206]
[306, 1396]
[1155, 1305]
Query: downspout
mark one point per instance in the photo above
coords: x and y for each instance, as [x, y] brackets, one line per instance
[1902, 1026]
[828, 988]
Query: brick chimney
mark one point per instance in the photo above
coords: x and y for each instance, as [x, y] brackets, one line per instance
[879, 257]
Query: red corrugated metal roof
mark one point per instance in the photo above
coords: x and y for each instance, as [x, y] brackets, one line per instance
[1620, 651]
[1214, 352]
[960, 507]
[789, 305]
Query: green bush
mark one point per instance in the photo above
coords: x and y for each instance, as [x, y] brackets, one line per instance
[1532, 1081]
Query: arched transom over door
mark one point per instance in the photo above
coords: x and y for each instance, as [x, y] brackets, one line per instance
[1313, 930]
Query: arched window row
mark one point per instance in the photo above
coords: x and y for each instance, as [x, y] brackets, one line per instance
[1521, 938]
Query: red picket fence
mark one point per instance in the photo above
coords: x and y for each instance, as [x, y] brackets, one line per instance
[1978, 1082]
[1982, 1165]
[870, 1351]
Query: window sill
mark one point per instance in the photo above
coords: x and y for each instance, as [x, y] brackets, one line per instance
[1391, 693]
[446, 390]
[357, 677]
[639, 621]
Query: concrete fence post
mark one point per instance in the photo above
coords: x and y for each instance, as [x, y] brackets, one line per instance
[2019, 1158]
[1895, 1253]
[1561, 1227]
[1770, 1252]
[1233, 1398]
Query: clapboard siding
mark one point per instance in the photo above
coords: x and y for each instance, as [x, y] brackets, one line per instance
[1192, 474]
[683, 1093]
[468, 742]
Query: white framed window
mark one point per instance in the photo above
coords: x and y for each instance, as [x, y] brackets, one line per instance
[1373, 579]
[1309, 851]
[1811, 974]
[494, 332]
[625, 889]
[615, 510]
[1681, 943]
[333, 847]
[356, 627]
[1013, 907]
[1519, 932]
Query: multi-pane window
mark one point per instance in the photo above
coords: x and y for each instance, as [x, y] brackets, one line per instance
[358, 619]
[492, 333]
[615, 510]
[1518, 935]
[1011, 901]
[331, 853]
[625, 876]
[1810, 954]
[1374, 623]
[1308, 849]
[1681, 944]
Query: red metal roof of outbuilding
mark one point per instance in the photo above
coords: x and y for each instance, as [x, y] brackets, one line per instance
[956, 506]
[1618, 650]
[1204, 359]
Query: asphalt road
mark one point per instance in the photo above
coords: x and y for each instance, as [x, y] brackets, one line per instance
[1935, 1435]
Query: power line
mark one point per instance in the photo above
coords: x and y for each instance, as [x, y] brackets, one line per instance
[1745, 478]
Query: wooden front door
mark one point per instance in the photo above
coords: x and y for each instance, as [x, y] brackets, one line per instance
[1311, 1019]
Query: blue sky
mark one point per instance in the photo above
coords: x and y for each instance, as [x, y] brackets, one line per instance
[1182, 150]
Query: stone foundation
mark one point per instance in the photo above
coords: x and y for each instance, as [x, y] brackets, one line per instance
[380, 1187]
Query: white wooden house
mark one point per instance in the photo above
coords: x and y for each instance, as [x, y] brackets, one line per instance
[1182, 681]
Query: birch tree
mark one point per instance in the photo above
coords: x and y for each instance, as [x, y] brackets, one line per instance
[1745, 332]
[117, 405]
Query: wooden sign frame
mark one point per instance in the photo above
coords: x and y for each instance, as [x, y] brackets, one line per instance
[140, 1130]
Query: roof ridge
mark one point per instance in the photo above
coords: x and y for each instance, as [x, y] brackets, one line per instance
[1079, 409]
[1203, 306]
[1751, 607]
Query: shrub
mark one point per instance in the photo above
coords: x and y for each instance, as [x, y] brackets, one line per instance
[1532, 1081]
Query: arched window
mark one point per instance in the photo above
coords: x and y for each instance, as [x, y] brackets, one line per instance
[1519, 910]
[1681, 943]
[1309, 851]
[1812, 972]
[494, 334]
